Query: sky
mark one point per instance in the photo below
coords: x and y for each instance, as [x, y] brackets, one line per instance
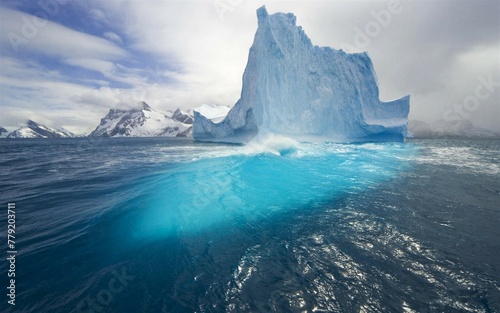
[65, 63]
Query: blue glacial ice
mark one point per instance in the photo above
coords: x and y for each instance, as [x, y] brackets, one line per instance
[228, 185]
[295, 89]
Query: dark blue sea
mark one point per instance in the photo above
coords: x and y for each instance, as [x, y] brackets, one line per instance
[170, 225]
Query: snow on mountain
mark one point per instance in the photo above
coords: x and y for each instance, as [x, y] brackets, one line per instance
[70, 134]
[36, 130]
[185, 117]
[215, 113]
[448, 129]
[24, 132]
[295, 89]
[142, 122]
[3, 132]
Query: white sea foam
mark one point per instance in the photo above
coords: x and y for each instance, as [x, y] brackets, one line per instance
[464, 158]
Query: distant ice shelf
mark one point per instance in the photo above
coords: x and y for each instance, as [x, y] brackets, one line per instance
[295, 89]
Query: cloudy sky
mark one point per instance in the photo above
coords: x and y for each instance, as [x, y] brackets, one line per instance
[66, 62]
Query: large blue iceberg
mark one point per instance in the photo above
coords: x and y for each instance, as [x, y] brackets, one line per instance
[294, 89]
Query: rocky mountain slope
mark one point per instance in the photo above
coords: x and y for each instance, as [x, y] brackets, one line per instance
[143, 121]
[36, 130]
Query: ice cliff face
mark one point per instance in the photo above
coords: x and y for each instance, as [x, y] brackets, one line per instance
[143, 121]
[293, 88]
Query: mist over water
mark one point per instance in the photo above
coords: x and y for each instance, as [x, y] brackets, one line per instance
[275, 226]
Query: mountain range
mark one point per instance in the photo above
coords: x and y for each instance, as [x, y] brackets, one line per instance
[141, 121]
[36, 130]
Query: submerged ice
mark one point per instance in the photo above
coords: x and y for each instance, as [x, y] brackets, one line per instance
[261, 180]
[293, 88]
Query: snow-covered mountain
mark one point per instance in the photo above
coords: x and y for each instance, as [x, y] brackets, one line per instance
[185, 117]
[448, 129]
[215, 113]
[143, 121]
[36, 130]
[3, 132]
[295, 89]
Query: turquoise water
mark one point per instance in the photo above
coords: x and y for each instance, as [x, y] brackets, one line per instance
[169, 225]
[256, 183]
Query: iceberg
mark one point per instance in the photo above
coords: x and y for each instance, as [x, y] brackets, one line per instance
[295, 89]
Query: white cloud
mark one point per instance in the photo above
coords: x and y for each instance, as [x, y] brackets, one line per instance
[208, 55]
[24, 32]
[113, 72]
[113, 37]
[28, 91]
[104, 67]
[99, 16]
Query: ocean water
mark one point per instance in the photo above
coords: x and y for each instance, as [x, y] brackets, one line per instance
[170, 225]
